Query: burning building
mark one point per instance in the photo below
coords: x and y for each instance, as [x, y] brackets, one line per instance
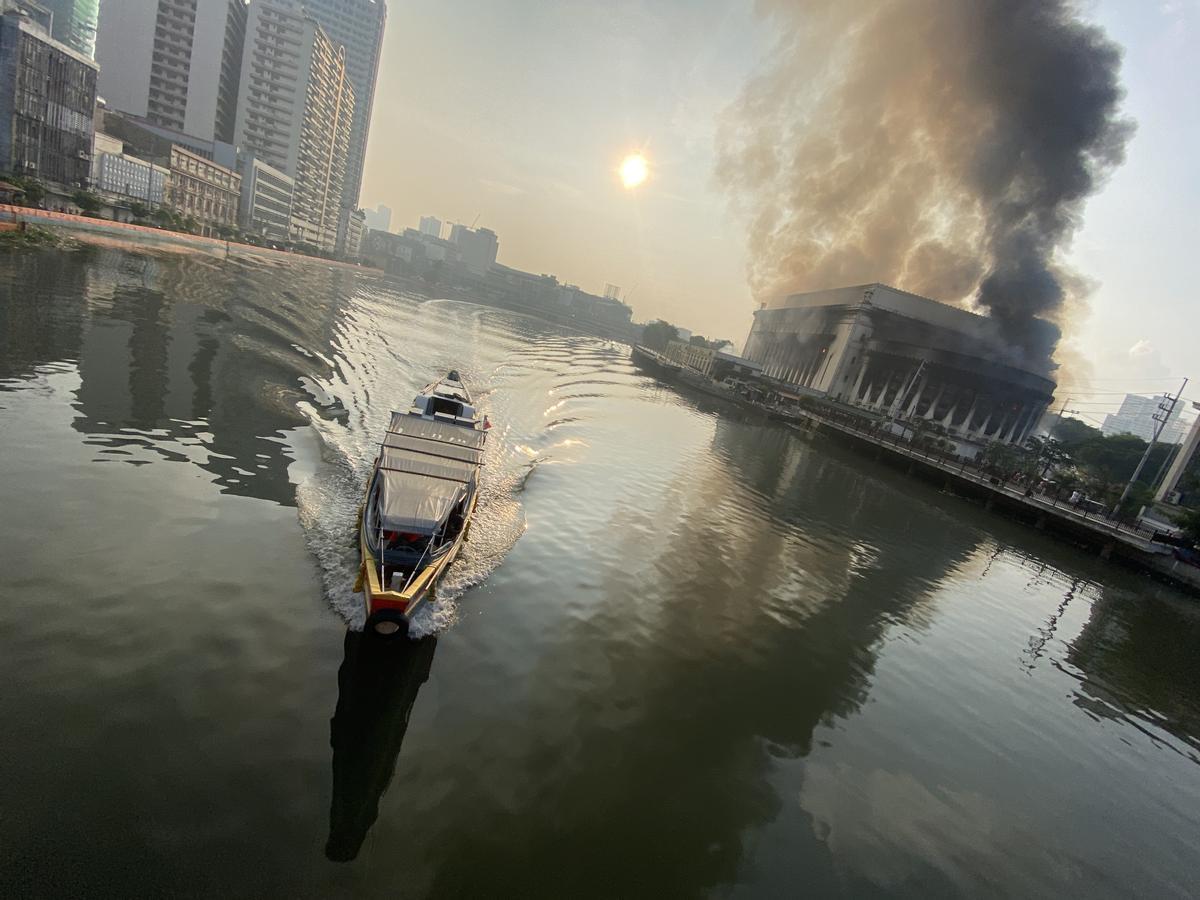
[903, 355]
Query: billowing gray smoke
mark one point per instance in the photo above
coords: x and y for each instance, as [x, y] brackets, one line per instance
[943, 146]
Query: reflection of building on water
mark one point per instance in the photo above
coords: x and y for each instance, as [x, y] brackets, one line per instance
[177, 352]
[785, 579]
[36, 329]
[1137, 660]
[377, 687]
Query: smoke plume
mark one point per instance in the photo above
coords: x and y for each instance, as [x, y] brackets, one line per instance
[945, 147]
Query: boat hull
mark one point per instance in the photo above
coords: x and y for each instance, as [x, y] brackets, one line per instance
[401, 606]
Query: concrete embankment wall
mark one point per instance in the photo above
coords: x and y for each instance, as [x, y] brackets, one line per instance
[1120, 542]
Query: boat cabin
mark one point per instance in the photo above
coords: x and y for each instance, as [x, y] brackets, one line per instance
[446, 400]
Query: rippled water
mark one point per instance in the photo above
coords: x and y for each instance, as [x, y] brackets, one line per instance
[684, 654]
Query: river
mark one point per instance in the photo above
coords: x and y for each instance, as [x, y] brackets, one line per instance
[684, 654]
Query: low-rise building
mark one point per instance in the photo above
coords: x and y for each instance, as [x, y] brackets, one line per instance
[410, 252]
[199, 188]
[119, 175]
[711, 362]
[47, 104]
[265, 205]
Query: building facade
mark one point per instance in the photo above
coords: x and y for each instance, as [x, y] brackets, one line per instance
[265, 206]
[479, 247]
[379, 218]
[904, 356]
[1136, 417]
[174, 63]
[74, 23]
[358, 26]
[295, 112]
[431, 225]
[119, 175]
[47, 104]
[199, 188]
[351, 241]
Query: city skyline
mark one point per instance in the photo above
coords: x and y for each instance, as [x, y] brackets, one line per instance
[658, 81]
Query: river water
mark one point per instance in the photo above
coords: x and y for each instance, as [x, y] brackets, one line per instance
[684, 654]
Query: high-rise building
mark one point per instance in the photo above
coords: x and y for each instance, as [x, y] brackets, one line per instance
[478, 245]
[74, 23]
[175, 63]
[295, 112]
[47, 104]
[1136, 416]
[358, 26]
[431, 225]
[378, 219]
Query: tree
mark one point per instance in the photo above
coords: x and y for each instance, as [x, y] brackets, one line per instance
[697, 340]
[1001, 458]
[1073, 433]
[86, 200]
[35, 191]
[138, 210]
[1189, 521]
[658, 334]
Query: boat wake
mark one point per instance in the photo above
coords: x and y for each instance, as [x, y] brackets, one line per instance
[345, 408]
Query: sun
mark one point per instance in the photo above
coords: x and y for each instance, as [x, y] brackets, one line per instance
[634, 170]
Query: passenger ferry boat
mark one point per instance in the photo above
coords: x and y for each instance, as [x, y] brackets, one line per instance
[419, 502]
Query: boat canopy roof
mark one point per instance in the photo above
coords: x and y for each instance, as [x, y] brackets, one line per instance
[414, 502]
[431, 448]
[433, 430]
[425, 468]
[397, 459]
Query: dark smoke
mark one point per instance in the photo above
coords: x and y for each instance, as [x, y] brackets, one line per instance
[942, 146]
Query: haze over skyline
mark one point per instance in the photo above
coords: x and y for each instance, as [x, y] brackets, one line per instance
[523, 120]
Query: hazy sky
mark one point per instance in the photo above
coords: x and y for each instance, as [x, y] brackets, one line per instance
[520, 112]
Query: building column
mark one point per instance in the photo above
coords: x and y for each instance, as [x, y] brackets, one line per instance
[933, 406]
[948, 422]
[912, 407]
[858, 382]
[878, 404]
[966, 425]
[982, 430]
[1008, 438]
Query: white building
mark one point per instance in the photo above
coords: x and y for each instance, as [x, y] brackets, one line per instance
[431, 225]
[378, 219]
[902, 355]
[295, 111]
[175, 63]
[1136, 416]
[116, 173]
[265, 207]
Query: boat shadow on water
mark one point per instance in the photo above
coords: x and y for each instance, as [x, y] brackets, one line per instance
[378, 684]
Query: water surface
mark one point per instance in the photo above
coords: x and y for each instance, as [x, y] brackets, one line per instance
[683, 655]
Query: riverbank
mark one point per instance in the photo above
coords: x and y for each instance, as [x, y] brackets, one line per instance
[1128, 543]
[83, 226]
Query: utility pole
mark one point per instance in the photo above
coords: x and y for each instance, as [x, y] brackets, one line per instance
[1166, 409]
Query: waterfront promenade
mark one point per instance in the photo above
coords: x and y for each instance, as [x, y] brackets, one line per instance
[159, 237]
